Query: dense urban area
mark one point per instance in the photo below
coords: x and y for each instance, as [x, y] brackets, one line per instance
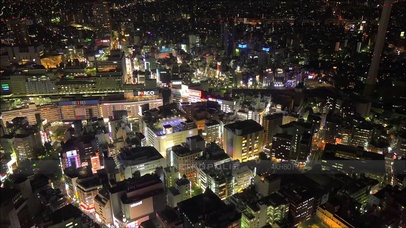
[203, 113]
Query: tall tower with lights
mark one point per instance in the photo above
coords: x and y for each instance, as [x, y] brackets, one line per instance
[377, 54]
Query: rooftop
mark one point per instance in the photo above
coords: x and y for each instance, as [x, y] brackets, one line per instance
[138, 155]
[245, 127]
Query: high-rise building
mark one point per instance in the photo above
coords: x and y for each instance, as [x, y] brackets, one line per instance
[102, 19]
[218, 179]
[212, 131]
[281, 146]
[362, 135]
[379, 44]
[301, 204]
[270, 124]
[25, 144]
[243, 140]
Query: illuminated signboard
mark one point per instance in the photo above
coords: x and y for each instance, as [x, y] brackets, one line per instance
[195, 93]
[5, 87]
[71, 153]
[136, 204]
[88, 102]
[242, 46]
[146, 93]
[267, 49]
[176, 82]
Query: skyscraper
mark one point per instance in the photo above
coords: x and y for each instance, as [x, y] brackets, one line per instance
[380, 41]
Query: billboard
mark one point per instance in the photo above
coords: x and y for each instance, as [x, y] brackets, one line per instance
[194, 93]
[87, 102]
[242, 46]
[145, 93]
[5, 87]
[141, 208]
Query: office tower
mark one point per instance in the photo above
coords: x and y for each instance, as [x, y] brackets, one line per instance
[211, 131]
[400, 147]
[18, 31]
[243, 140]
[301, 204]
[139, 161]
[278, 207]
[305, 147]
[137, 200]
[87, 190]
[297, 129]
[271, 123]
[281, 146]
[24, 145]
[362, 135]
[380, 42]
[218, 179]
[207, 210]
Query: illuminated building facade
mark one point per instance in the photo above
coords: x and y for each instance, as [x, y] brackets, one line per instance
[183, 157]
[87, 190]
[362, 135]
[243, 140]
[301, 204]
[102, 207]
[71, 159]
[212, 131]
[281, 146]
[331, 219]
[95, 162]
[132, 107]
[174, 131]
[135, 200]
[353, 160]
[79, 110]
[270, 124]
